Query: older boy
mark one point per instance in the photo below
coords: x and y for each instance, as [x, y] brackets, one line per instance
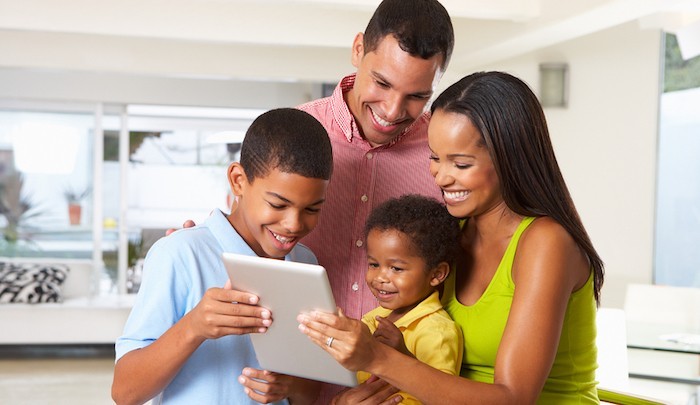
[186, 338]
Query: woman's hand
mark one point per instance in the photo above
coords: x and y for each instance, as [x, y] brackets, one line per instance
[351, 344]
[266, 386]
[374, 391]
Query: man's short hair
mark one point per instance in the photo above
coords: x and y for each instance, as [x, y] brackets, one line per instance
[289, 140]
[422, 28]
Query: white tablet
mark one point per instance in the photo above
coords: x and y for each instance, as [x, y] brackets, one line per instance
[288, 288]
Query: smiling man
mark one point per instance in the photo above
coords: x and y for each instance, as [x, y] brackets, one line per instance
[377, 124]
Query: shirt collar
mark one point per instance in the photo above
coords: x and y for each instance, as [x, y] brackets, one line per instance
[426, 307]
[227, 236]
[345, 119]
[341, 112]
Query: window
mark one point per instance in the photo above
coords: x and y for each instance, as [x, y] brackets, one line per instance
[45, 164]
[174, 169]
[677, 257]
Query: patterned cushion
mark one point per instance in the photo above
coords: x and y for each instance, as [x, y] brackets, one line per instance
[31, 283]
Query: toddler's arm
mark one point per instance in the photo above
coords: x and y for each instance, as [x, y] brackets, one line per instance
[390, 335]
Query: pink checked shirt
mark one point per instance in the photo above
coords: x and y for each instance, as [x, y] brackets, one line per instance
[363, 177]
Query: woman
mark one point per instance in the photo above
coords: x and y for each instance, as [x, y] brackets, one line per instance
[526, 290]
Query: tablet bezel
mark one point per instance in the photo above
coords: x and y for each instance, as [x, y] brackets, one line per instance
[288, 288]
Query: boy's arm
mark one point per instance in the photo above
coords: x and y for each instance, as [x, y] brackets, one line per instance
[143, 373]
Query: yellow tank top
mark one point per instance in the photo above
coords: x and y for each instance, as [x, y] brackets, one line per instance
[572, 378]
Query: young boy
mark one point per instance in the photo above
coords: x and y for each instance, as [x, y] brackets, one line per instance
[186, 338]
[412, 242]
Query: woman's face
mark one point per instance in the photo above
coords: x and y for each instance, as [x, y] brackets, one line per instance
[462, 167]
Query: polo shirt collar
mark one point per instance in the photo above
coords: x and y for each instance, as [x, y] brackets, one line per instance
[226, 235]
[343, 116]
[426, 307]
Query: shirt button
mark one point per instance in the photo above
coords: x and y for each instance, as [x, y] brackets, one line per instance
[358, 243]
[355, 286]
[369, 155]
[364, 198]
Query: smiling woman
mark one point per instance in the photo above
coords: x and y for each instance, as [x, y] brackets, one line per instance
[524, 289]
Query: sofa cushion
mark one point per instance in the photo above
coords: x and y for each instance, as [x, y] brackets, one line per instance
[31, 283]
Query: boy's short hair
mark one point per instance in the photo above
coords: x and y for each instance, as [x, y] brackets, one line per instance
[434, 233]
[289, 140]
[421, 27]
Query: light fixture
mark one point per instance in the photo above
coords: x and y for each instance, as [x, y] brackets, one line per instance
[554, 84]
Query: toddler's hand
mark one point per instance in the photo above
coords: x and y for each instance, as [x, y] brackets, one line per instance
[390, 335]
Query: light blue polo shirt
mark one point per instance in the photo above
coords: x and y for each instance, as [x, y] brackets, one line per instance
[177, 271]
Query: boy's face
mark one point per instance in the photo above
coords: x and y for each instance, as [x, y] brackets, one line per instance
[391, 88]
[395, 275]
[275, 211]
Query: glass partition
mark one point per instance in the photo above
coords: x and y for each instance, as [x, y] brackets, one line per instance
[677, 257]
[46, 177]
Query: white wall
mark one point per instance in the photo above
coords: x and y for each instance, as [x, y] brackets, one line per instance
[605, 140]
[606, 143]
[76, 86]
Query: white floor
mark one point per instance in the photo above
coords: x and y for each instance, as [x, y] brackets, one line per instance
[80, 381]
[88, 381]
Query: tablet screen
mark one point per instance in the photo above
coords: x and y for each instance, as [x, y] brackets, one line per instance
[288, 288]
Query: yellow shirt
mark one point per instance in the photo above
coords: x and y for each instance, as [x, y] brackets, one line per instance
[429, 333]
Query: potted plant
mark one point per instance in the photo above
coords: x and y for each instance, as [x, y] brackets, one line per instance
[74, 198]
[16, 209]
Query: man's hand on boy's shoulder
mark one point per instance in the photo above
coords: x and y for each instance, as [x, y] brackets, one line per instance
[187, 224]
[225, 311]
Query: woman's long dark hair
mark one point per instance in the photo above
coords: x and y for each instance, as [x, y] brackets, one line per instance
[514, 129]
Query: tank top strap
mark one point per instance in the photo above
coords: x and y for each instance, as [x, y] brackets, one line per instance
[524, 223]
[505, 269]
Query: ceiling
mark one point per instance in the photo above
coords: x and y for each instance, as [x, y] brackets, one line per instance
[287, 40]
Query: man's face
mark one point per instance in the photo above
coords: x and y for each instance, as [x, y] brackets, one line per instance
[391, 89]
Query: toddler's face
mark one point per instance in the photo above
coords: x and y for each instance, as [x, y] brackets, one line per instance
[395, 274]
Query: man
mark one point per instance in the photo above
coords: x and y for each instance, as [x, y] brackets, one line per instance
[377, 124]
[378, 130]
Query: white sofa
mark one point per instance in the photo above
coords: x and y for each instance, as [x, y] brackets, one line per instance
[81, 318]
